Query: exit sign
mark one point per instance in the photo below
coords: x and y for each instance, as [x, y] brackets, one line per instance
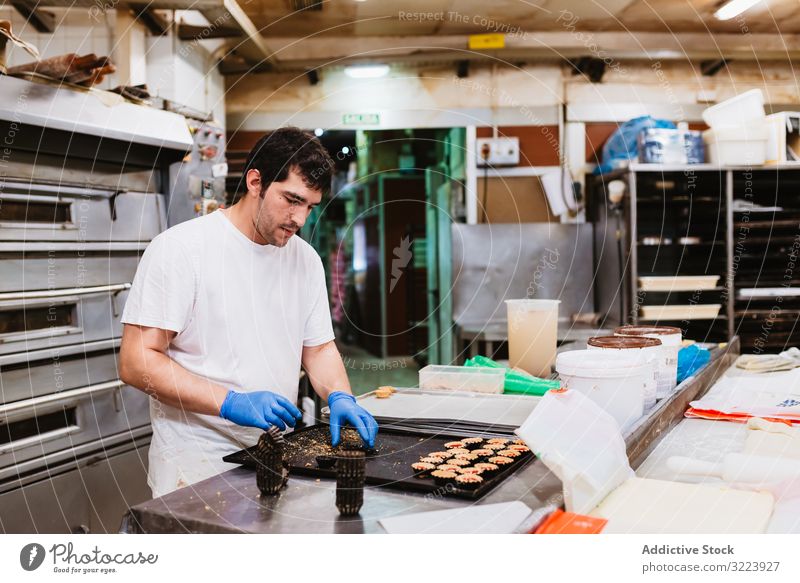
[479, 42]
[359, 119]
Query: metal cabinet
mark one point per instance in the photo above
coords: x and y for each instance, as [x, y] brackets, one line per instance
[55, 505]
[114, 484]
[88, 495]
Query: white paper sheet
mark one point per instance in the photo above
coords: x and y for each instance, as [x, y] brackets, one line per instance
[501, 518]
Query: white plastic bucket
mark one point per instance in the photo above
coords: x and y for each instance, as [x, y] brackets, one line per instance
[667, 368]
[645, 349]
[616, 382]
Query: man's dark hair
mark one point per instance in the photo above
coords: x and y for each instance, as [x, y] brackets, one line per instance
[279, 152]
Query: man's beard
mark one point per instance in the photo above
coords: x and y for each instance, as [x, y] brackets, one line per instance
[270, 237]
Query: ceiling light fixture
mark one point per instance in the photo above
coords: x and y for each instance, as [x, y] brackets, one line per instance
[366, 71]
[734, 8]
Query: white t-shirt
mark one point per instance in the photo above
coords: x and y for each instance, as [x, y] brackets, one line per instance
[242, 313]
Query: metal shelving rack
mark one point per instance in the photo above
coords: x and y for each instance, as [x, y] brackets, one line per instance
[764, 252]
[642, 236]
[752, 248]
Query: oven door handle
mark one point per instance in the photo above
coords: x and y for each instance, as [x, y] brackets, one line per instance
[19, 408]
[38, 439]
[60, 293]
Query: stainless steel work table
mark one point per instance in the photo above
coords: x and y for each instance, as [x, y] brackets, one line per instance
[231, 502]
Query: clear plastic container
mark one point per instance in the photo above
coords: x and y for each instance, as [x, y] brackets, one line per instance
[462, 378]
[736, 111]
[737, 146]
[532, 335]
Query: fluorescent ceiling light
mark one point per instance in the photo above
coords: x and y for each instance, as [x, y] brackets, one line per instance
[734, 8]
[366, 71]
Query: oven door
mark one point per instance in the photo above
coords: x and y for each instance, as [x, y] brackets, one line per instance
[27, 375]
[45, 319]
[35, 428]
[52, 266]
[38, 212]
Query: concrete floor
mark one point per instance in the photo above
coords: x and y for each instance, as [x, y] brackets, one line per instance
[368, 372]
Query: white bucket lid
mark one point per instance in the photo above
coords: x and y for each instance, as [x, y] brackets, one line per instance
[602, 364]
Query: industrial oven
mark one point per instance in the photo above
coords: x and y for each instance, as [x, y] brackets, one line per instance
[82, 182]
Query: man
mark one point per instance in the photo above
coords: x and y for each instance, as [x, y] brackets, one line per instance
[225, 309]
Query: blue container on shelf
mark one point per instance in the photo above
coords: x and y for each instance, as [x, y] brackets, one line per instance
[671, 146]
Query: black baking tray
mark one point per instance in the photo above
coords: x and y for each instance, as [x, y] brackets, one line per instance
[388, 465]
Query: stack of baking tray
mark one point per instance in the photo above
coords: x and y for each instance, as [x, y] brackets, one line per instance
[460, 412]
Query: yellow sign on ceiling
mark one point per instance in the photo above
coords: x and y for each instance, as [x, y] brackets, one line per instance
[482, 42]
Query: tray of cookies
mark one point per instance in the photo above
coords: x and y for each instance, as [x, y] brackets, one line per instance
[421, 461]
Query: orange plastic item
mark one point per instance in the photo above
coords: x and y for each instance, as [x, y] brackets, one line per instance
[560, 522]
[693, 413]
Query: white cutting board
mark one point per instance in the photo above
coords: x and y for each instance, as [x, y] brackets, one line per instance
[642, 506]
[501, 518]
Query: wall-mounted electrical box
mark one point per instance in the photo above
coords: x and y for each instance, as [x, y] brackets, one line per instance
[497, 151]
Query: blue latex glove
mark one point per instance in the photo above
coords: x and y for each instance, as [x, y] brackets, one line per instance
[260, 409]
[343, 410]
[691, 359]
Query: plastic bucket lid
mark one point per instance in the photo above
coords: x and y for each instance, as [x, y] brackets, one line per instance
[623, 342]
[600, 364]
[669, 335]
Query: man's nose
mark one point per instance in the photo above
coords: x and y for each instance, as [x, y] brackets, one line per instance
[298, 217]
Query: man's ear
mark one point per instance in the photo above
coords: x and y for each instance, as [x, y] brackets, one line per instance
[253, 182]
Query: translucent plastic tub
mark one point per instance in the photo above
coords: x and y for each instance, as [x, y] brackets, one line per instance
[462, 378]
[532, 335]
[736, 111]
[737, 146]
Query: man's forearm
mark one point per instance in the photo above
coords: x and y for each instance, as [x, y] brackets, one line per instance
[325, 369]
[159, 376]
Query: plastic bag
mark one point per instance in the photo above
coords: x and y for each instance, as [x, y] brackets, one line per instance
[516, 383]
[581, 444]
[691, 359]
[622, 146]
